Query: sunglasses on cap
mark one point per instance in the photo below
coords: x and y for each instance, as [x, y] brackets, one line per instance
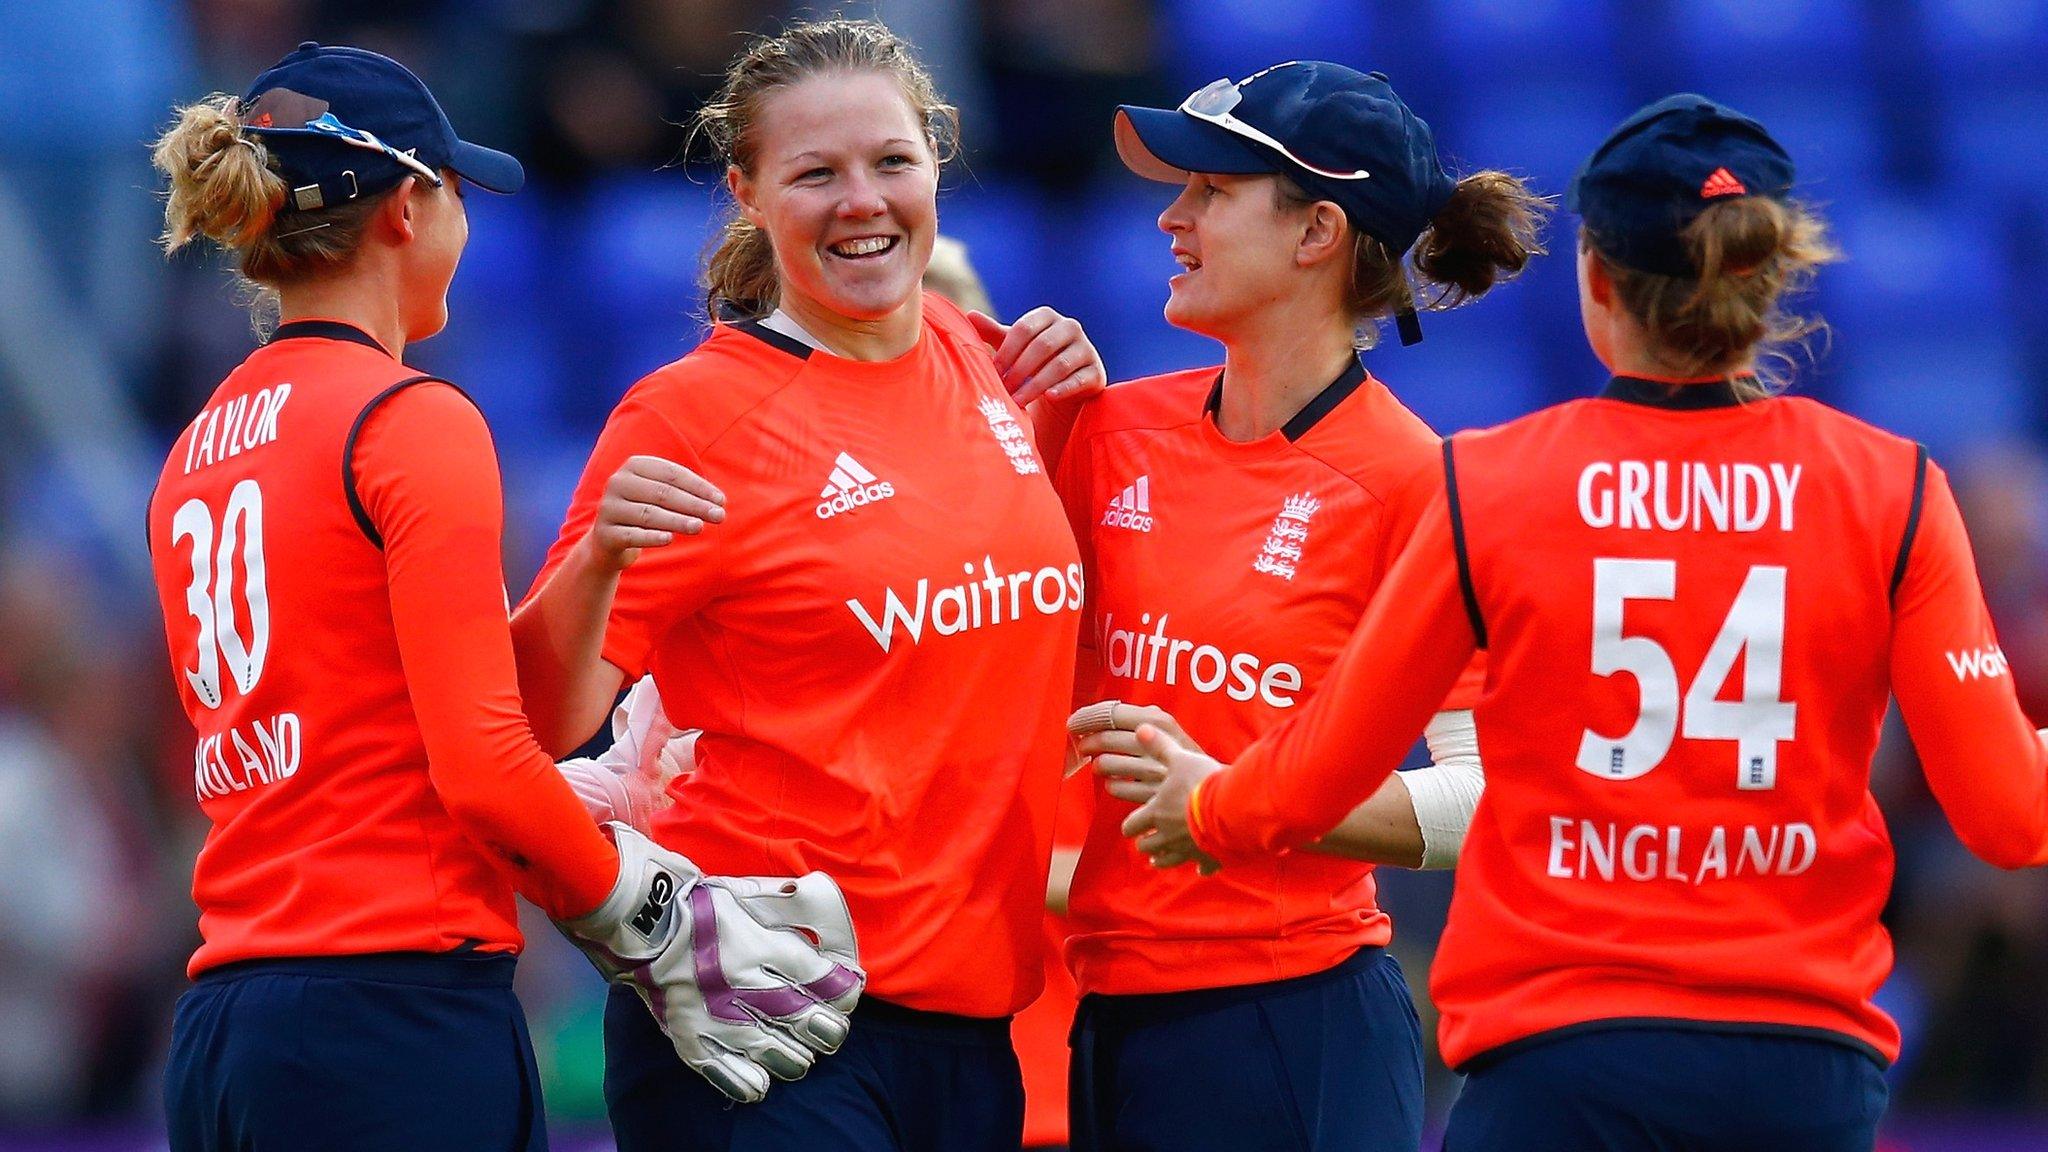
[327, 125]
[1213, 103]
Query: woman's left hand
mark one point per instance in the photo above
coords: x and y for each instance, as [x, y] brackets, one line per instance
[1043, 354]
[1161, 826]
[1106, 733]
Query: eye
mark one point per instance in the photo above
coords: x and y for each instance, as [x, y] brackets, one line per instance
[897, 160]
[813, 175]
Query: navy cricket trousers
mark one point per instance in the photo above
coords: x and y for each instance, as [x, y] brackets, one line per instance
[1650, 1088]
[904, 1081]
[349, 1053]
[1319, 1063]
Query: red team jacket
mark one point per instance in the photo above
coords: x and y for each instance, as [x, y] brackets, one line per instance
[877, 642]
[1224, 578]
[1694, 610]
[362, 753]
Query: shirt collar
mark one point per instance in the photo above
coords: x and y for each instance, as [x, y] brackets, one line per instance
[1676, 397]
[326, 330]
[1311, 413]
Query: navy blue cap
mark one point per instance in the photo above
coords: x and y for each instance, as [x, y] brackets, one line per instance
[344, 123]
[1661, 168]
[1322, 124]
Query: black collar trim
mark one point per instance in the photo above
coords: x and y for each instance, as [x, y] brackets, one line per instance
[1312, 413]
[1677, 397]
[776, 340]
[326, 330]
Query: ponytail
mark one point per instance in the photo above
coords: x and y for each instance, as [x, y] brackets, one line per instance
[739, 276]
[1483, 235]
[223, 187]
[1752, 252]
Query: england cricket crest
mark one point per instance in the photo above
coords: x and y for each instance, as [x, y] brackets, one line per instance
[1010, 435]
[1282, 550]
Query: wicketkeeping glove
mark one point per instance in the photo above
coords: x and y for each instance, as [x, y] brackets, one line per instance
[809, 905]
[629, 781]
[740, 999]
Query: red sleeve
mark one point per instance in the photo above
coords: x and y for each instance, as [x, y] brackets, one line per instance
[1982, 757]
[1071, 479]
[1405, 507]
[427, 475]
[665, 584]
[1301, 779]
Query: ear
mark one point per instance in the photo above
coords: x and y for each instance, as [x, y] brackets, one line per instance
[1599, 281]
[398, 211]
[1324, 235]
[742, 188]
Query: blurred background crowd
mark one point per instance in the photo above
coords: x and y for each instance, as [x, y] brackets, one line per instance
[1921, 126]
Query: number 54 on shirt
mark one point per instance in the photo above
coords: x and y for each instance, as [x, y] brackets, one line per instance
[1754, 627]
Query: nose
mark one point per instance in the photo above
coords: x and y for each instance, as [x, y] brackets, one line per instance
[1177, 218]
[862, 199]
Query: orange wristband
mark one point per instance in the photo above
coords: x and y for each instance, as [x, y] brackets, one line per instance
[1195, 813]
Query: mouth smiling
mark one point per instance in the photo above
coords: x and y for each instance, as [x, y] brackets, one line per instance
[863, 247]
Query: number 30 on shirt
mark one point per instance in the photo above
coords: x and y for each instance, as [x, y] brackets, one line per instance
[1754, 628]
[210, 598]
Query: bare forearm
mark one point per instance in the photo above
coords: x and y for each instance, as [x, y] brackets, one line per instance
[1418, 819]
[558, 637]
[1383, 830]
[1059, 882]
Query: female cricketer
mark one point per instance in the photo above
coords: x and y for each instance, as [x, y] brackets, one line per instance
[878, 644]
[325, 542]
[1233, 525]
[1695, 596]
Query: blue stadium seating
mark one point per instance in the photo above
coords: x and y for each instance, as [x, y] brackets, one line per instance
[1473, 369]
[1735, 45]
[1205, 39]
[1003, 224]
[631, 268]
[1919, 130]
[1951, 383]
[497, 345]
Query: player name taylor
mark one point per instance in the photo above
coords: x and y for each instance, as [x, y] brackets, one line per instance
[230, 429]
[1688, 495]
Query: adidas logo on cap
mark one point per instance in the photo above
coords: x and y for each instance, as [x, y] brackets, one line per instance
[850, 486]
[1722, 183]
[1133, 508]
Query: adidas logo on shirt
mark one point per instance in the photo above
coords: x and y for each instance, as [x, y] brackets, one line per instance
[1133, 508]
[850, 487]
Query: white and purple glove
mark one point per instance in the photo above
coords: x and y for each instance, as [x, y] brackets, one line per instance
[629, 781]
[749, 977]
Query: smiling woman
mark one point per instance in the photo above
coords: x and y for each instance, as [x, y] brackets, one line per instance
[894, 571]
[1235, 523]
[844, 177]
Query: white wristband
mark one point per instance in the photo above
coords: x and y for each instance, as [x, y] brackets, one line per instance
[1446, 793]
